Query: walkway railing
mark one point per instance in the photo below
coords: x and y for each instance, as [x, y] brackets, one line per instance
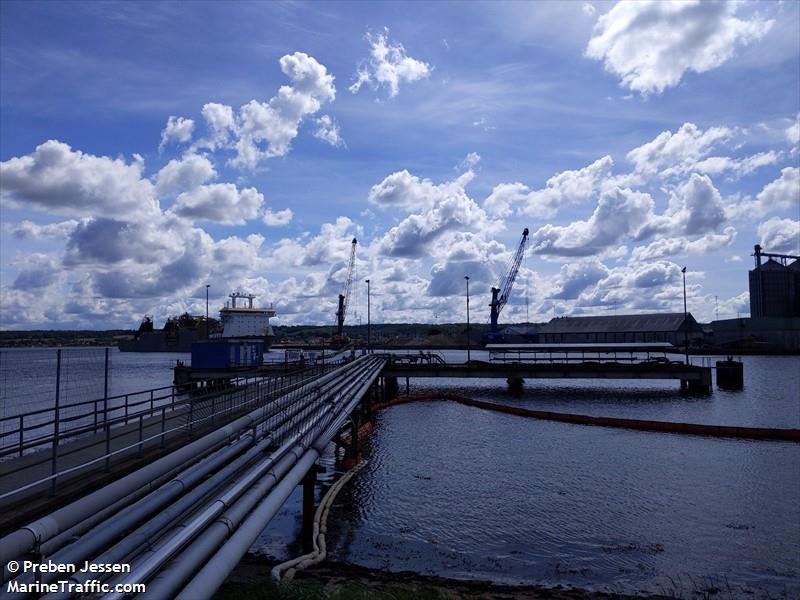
[98, 430]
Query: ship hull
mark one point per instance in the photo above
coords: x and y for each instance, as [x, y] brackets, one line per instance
[160, 341]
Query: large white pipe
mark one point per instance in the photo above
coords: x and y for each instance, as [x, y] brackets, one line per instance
[129, 516]
[27, 538]
[153, 528]
[176, 542]
[295, 413]
[216, 569]
[174, 574]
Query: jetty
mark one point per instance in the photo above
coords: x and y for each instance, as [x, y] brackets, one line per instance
[103, 479]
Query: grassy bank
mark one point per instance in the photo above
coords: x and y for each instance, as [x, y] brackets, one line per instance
[334, 581]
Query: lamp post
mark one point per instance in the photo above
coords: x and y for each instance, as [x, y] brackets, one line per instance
[368, 319]
[208, 285]
[468, 340]
[685, 324]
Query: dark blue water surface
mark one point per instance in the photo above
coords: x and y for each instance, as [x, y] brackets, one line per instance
[461, 492]
[466, 493]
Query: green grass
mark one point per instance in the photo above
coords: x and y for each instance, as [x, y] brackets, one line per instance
[313, 590]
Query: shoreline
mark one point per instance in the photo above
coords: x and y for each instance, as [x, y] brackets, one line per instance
[251, 580]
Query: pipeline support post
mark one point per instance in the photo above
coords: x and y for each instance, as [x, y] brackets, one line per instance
[355, 424]
[309, 482]
[391, 388]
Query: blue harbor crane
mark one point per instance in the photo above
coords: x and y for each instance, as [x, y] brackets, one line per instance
[501, 293]
[344, 297]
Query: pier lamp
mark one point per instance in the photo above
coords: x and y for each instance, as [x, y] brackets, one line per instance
[208, 285]
[368, 319]
[466, 277]
[685, 324]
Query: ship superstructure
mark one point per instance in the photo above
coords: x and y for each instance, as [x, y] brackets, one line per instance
[244, 321]
[241, 339]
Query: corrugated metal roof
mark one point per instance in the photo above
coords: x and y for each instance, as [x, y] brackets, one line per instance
[619, 323]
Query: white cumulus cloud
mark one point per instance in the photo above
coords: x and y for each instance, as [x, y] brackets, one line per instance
[567, 187]
[388, 66]
[780, 235]
[183, 175]
[178, 129]
[277, 122]
[650, 45]
[277, 218]
[619, 213]
[443, 208]
[28, 230]
[57, 179]
[219, 202]
[678, 151]
[328, 131]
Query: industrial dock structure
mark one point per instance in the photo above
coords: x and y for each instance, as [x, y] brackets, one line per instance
[120, 473]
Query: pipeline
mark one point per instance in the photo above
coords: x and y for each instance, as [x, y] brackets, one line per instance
[42, 530]
[732, 431]
[217, 568]
[102, 535]
[296, 414]
[179, 539]
[170, 579]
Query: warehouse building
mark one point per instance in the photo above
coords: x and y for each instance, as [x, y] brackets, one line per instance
[657, 327]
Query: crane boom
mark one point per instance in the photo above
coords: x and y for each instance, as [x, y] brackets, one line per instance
[501, 293]
[344, 297]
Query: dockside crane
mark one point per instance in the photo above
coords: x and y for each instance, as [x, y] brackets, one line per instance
[501, 293]
[344, 297]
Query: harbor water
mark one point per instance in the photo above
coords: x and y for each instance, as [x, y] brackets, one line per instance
[460, 492]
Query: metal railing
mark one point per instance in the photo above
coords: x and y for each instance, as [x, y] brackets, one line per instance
[587, 356]
[165, 410]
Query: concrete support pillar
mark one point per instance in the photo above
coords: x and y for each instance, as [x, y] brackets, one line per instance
[515, 384]
[730, 374]
[408, 388]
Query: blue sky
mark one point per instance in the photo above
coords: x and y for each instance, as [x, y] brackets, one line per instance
[147, 149]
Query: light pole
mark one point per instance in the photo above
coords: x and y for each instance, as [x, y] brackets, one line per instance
[468, 340]
[208, 285]
[368, 319]
[685, 324]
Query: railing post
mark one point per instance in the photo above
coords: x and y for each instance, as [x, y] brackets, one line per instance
[105, 388]
[108, 445]
[163, 423]
[21, 433]
[191, 413]
[56, 424]
[151, 402]
[141, 433]
[126, 409]
[212, 409]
